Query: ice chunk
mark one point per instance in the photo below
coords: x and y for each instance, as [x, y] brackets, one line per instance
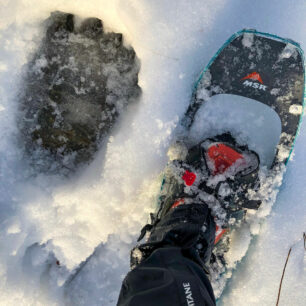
[247, 40]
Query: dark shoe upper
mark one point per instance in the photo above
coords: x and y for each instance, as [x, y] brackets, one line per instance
[190, 227]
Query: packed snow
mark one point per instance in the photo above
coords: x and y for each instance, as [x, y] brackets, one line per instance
[51, 224]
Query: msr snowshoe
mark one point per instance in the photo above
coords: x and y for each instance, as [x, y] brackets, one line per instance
[254, 87]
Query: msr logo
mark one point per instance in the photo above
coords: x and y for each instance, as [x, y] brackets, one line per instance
[254, 76]
[188, 294]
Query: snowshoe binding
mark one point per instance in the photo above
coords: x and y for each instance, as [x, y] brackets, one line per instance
[216, 169]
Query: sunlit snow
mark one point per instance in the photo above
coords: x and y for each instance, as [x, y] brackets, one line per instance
[101, 210]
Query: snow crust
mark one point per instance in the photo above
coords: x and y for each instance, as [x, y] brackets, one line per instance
[103, 207]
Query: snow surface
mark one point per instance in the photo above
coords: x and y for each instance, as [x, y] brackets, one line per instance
[109, 201]
[247, 119]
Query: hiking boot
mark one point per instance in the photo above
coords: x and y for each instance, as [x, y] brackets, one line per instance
[216, 168]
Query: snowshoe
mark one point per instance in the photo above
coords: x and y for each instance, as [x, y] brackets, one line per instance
[254, 88]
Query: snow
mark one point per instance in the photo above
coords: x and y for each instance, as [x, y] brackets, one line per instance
[104, 206]
[247, 120]
[248, 39]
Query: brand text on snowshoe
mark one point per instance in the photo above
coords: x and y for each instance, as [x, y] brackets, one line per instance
[254, 85]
